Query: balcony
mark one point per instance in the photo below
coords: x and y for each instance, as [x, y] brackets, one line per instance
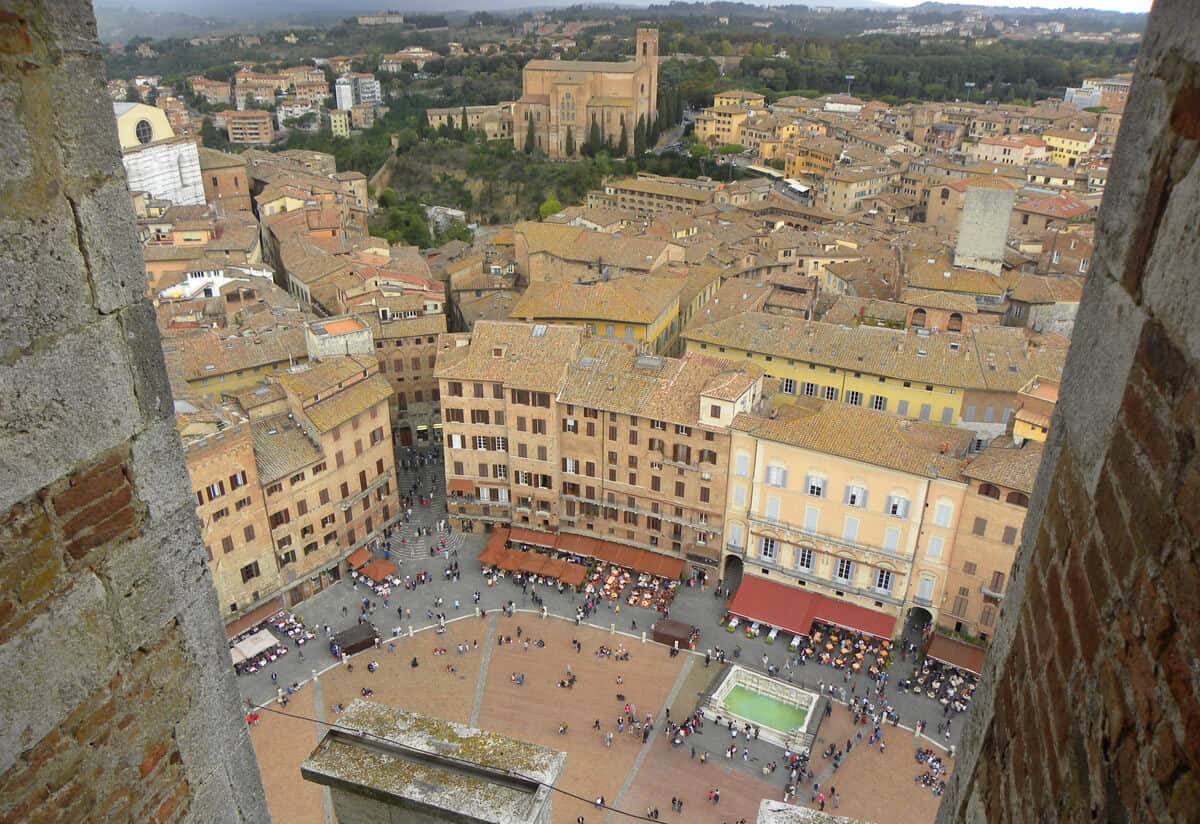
[713, 525]
[836, 584]
[988, 592]
[923, 602]
[829, 539]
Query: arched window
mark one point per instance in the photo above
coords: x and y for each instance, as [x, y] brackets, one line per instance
[1018, 499]
[956, 322]
[918, 318]
[143, 131]
[645, 48]
[989, 491]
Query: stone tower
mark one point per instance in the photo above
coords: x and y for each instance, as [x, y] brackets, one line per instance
[647, 55]
[120, 701]
[1088, 707]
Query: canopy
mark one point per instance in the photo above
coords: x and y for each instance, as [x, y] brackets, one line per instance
[626, 556]
[668, 632]
[463, 485]
[956, 653]
[768, 602]
[533, 562]
[252, 645]
[577, 544]
[852, 617]
[662, 566]
[606, 551]
[521, 535]
[358, 557]
[356, 638]
[554, 568]
[511, 560]
[378, 569]
[494, 551]
[574, 575]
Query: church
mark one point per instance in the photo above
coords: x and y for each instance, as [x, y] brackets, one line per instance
[568, 95]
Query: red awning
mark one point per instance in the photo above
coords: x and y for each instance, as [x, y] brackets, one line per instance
[776, 605]
[520, 535]
[511, 560]
[358, 557]
[463, 485]
[852, 617]
[627, 556]
[378, 569]
[554, 568]
[494, 551]
[574, 575]
[577, 544]
[663, 566]
[956, 653]
[534, 563]
[606, 551]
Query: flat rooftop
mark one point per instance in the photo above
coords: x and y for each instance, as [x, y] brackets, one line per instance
[338, 326]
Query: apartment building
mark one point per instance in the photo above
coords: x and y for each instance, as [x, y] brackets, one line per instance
[999, 483]
[1009, 149]
[720, 124]
[643, 310]
[648, 195]
[846, 190]
[1067, 146]
[970, 380]
[552, 430]
[844, 510]
[406, 348]
[218, 447]
[225, 182]
[250, 126]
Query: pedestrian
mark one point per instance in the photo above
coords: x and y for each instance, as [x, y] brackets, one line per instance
[693, 752]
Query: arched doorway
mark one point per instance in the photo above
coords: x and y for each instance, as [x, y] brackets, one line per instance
[731, 574]
[918, 619]
[918, 318]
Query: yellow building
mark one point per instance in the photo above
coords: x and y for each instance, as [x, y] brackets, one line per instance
[569, 95]
[851, 510]
[1067, 146]
[739, 97]
[139, 124]
[1036, 402]
[339, 122]
[945, 378]
[720, 124]
[639, 309]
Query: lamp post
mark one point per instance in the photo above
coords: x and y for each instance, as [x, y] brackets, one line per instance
[849, 80]
[970, 84]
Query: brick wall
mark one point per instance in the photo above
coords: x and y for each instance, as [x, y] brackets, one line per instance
[1089, 706]
[119, 702]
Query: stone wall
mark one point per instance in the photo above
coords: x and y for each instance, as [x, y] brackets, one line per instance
[120, 703]
[1089, 707]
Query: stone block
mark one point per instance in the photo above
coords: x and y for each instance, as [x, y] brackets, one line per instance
[149, 373]
[45, 244]
[53, 662]
[69, 26]
[114, 258]
[56, 414]
[15, 152]
[160, 473]
[84, 126]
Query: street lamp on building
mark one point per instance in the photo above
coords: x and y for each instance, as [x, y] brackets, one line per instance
[849, 80]
[970, 84]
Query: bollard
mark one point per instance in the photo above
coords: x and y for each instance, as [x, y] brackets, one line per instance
[643, 636]
[410, 631]
[314, 674]
[612, 629]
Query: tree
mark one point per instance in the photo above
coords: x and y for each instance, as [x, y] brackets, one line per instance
[623, 140]
[465, 130]
[570, 142]
[731, 148]
[639, 136]
[595, 142]
[131, 94]
[405, 139]
[529, 138]
[212, 137]
[423, 128]
[550, 206]
[388, 198]
[699, 150]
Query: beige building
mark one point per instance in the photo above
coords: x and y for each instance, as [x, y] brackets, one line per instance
[249, 126]
[548, 429]
[848, 506]
[225, 183]
[999, 483]
[339, 122]
[494, 121]
[562, 95]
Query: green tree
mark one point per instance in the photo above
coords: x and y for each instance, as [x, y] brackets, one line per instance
[623, 140]
[388, 198]
[529, 138]
[639, 136]
[550, 206]
[570, 142]
[405, 140]
[465, 125]
[731, 148]
[594, 142]
[131, 94]
[423, 128]
[212, 137]
[699, 150]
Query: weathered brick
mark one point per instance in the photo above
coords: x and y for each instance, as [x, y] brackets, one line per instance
[1143, 686]
[123, 521]
[1058, 620]
[1119, 548]
[1184, 798]
[99, 510]
[1092, 561]
[1084, 614]
[85, 487]
[1115, 713]
[1176, 661]
[1187, 502]
[1145, 424]
[1165, 757]
[153, 754]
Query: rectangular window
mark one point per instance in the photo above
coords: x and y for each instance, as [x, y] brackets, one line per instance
[741, 465]
[250, 572]
[767, 548]
[926, 410]
[933, 550]
[804, 559]
[776, 476]
[856, 496]
[980, 527]
[227, 544]
[772, 509]
[997, 584]
[902, 409]
[237, 479]
[1010, 535]
[570, 425]
[787, 385]
[854, 398]
[850, 530]
[815, 486]
[810, 389]
[830, 393]
[969, 567]
[480, 416]
[539, 426]
[879, 403]
[891, 538]
[680, 489]
[941, 514]
[843, 570]
[883, 581]
[704, 493]
[947, 414]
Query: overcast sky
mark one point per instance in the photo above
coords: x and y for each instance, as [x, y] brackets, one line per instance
[1106, 5]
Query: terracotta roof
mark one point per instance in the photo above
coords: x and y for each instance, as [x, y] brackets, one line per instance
[625, 67]
[205, 355]
[1043, 289]
[1007, 465]
[933, 299]
[281, 448]
[532, 356]
[629, 300]
[346, 403]
[1060, 205]
[876, 438]
[325, 375]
